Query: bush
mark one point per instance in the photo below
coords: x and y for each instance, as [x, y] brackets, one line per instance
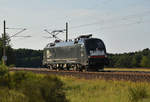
[34, 87]
[20, 77]
[7, 95]
[47, 89]
[3, 70]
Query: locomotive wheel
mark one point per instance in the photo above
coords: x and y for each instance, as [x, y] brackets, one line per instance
[67, 66]
[77, 68]
[60, 67]
[84, 68]
[101, 68]
[80, 69]
[50, 67]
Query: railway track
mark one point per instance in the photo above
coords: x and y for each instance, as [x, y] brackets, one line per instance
[140, 76]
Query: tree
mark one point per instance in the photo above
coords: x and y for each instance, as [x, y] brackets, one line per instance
[124, 61]
[145, 62]
[28, 57]
[134, 61]
[9, 51]
[146, 51]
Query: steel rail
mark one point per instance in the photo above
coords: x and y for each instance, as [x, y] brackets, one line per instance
[135, 76]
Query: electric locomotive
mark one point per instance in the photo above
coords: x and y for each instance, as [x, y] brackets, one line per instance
[83, 53]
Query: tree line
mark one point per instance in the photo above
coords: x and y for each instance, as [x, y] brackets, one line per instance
[21, 57]
[129, 60]
[28, 58]
[33, 58]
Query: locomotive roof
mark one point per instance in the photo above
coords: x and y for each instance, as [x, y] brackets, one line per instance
[84, 36]
[61, 44]
[69, 43]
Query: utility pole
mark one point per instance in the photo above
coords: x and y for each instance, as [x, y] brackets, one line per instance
[66, 31]
[4, 44]
[4, 57]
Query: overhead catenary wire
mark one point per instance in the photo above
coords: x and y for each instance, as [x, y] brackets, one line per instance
[126, 18]
[24, 36]
[115, 26]
[125, 21]
[18, 33]
[15, 28]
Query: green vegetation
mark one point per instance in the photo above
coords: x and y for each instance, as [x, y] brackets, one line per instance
[21, 57]
[28, 58]
[29, 87]
[137, 93]
[9, 51]
[81, 90]
[130, 60]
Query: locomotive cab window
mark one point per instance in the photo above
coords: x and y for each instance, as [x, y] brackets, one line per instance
[93, 45]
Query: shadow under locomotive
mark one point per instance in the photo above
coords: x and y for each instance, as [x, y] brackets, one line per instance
[84, 53]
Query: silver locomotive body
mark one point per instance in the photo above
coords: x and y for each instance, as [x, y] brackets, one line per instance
[84, 53]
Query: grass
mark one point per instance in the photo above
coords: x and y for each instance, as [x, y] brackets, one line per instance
[127, 69]
[137, 93]
[81, 90]
[31, 87]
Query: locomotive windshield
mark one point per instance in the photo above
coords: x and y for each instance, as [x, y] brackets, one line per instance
[93, 45]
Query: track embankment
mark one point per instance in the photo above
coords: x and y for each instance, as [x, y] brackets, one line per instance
[107, 75]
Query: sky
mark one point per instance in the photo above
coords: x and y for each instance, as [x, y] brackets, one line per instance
[123, 25]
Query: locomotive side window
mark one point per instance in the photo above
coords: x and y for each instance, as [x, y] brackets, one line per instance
[48, 54]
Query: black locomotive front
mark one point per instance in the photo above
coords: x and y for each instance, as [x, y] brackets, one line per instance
[96, 52]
